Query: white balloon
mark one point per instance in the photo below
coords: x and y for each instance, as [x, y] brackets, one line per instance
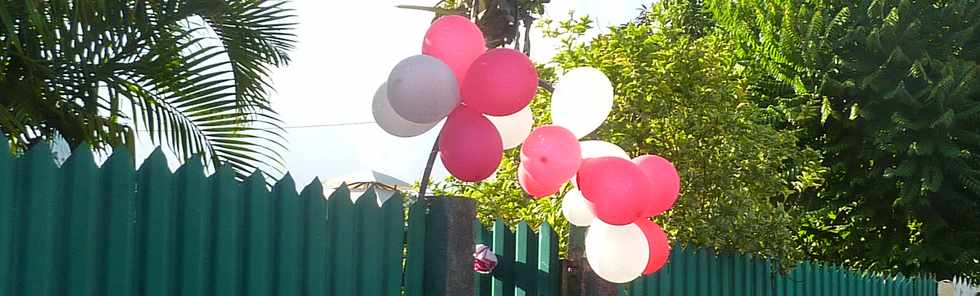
[591, 149]
[514, 128]
[390, 121]
[582, 100]
[577, 209]
[422, 89]
[618, 254]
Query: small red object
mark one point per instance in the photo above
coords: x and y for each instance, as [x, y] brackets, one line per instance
[484, 260]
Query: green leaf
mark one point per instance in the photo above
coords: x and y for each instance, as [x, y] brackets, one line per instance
[825, 110]
[70, 69]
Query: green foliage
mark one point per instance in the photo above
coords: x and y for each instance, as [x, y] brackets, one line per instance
[889, 91]
[684, 98]
[192, 74]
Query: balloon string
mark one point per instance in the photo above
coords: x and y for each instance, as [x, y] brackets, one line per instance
[428, 169]
[546, 85]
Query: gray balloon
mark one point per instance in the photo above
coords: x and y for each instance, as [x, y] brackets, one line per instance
[422, 89]
[390, 121]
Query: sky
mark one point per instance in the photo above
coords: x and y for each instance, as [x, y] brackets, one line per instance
[345, 50]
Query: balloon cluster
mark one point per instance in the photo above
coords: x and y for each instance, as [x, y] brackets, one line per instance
[483, 95]
[614, 195]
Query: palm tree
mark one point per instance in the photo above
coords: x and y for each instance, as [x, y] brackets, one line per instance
[192, 74]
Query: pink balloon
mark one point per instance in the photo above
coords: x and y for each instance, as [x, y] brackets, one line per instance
[469, 145]
[666, 183]
[618, 189]
[536, 189]
[659, 246]
[500, 82]
[456, 41]
[551, 154]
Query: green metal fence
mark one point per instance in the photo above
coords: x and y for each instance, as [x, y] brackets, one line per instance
[527, 261]
[693, 271]
[84, 230]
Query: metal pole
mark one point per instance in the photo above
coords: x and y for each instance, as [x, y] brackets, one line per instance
[428, 169]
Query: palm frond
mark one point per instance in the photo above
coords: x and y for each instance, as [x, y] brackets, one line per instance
[191, 74]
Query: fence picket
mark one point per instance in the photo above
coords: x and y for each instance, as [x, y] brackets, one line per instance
[703, 273]
[662, 278]
[415, 249]
[342, 233]
[739, 275]
[691, 266]
[481, 282]
[503, 246]
[194, 218]
[289, 226]
[393, 220]
[42, 220]
[370, 233]
[227, 235]
[8, 217]
[315, 245]
[781, 287]
[768, 280]
[869, 284]
[156, 189]
[677, 268]
[85, 226]
[260, 238]
[549, 267]
[123, 221]
[525, 261]
[726, 261]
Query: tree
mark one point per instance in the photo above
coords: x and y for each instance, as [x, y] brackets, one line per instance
[682, 97]
[889, 92]
[192, 74]
[500, 20]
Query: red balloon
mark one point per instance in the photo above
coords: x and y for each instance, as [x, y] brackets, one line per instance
[536, 189]
[659, 246]
[456, 41]
[551, 154]
[500, 82]
[617, 188]
[469, 145]
[666, 183]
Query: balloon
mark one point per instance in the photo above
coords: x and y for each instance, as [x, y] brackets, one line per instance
[536, 189]
[592, 149]
[390, 121]
[456, 41]
[582, 100]
[618, 189]
[469, 145]
[666, 183]
[551, 154]
[422, 89]
[616, 253]
[500, 82]
[577, 209]
[659, 246]
[514, 128]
